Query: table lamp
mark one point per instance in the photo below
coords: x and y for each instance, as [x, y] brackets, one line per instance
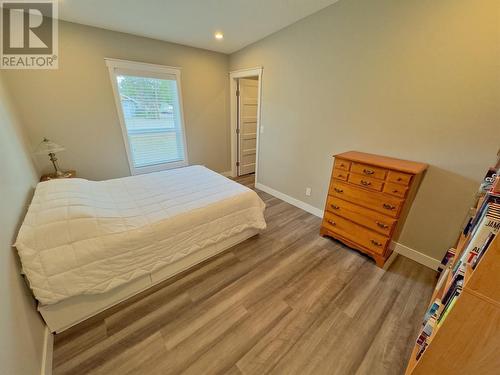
[47, 147]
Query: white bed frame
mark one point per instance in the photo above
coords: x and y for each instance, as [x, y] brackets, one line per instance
[65, 314]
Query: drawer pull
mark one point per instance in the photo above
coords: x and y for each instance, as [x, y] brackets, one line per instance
[341, 176]
[389, 206]
[365, 183]
[376, 243]
[382, 225]
[338, 190]
[395, 191]
[342, 164]
[334, 206]
[368, 171]
[331, 222]
[399, 179]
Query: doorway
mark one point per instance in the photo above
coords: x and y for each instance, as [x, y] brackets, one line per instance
[245, 119]
[246, 128]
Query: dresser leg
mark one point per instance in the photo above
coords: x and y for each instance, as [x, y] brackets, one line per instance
[379, 261]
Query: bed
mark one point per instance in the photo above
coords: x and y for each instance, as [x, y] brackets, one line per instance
[86, 246]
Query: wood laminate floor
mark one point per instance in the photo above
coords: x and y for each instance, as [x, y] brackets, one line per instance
[285, 302]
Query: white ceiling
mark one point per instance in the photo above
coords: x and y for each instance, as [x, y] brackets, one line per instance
[192, 22]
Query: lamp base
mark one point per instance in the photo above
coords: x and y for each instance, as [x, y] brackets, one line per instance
[59, 174]
[56, 176]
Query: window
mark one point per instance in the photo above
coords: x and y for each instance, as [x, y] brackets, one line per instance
[149, 103]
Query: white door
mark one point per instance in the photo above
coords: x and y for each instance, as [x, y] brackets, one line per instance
[247, 125]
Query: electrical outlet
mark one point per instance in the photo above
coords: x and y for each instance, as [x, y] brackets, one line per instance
[308, 192]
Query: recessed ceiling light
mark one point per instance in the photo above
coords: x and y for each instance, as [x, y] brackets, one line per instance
[218, 35]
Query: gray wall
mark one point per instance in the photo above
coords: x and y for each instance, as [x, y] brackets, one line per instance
[22, 330]
[74, 105]
[413, 79]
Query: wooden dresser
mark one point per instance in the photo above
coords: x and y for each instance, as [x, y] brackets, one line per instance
[368, 199]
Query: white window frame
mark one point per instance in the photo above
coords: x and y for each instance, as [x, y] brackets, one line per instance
[153, 71]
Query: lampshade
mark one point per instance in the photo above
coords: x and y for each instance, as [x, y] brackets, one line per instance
[46, 147]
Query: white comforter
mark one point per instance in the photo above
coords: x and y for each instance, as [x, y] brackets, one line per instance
[86, 237]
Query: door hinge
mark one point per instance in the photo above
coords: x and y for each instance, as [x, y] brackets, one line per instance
[237, 163]
[237, 92]
[237, 131]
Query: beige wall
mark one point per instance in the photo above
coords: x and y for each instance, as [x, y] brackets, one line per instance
[21, 328]
[413, 79]
[74, 105]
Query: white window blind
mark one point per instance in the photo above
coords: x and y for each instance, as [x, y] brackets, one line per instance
[150, 105]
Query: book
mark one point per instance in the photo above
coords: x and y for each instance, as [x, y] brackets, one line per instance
[448, 257]
[432, 311]
[489, 207]
[483, 249]
[496, 186]
[442, 278]
[490, 223]
[487, 222]
[425, 334]
[447, 310]
[421, 350]
[490, 198]
[454, 288]
[468, 220]
[488, 180]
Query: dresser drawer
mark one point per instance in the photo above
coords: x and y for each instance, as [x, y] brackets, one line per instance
[363, 216]
[340, 174]
[395, 189]
[368, 239]
[342, 164]
[376, 201]
[368, 170]
[366, 182]
[399, 178]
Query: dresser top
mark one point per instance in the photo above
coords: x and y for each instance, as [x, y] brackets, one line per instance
[384, 161]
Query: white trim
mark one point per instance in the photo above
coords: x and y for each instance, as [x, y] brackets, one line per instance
[247, 72]
[233, 76]
[137, 65]
[157, 71]
[415, 255]
[397, 247]
[47, 354]
[390, 260]
[293, 201]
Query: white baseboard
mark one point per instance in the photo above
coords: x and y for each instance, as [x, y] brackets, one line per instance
[397, 247]
[415, 255]
[390, 260]
[48, 350]
[295, 202]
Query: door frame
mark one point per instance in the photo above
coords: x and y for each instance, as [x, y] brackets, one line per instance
[233, 84]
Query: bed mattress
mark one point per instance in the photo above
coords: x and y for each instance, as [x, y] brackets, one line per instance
[86, 237]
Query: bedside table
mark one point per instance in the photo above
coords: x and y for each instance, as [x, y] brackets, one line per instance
[53, 176]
